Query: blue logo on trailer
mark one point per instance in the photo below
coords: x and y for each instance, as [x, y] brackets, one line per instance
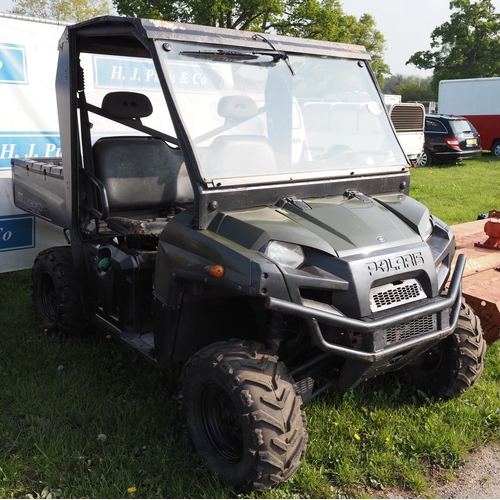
[17, 232]
[135, 73]
[129, 73]
[28, 145]
[13, 64]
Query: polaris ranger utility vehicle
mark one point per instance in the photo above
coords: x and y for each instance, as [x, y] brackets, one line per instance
[239, 203]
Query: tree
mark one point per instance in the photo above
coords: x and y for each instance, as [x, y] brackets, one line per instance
[465, 47]
[363, 32]
[414, 91]
[411, 88]
[391, 83]
[61, 10]
[317, 19]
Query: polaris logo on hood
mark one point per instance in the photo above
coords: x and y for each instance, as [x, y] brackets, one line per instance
[398, 263]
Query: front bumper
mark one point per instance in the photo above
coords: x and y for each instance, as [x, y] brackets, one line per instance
[446, 309]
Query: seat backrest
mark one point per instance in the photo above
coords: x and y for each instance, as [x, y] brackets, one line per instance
[126, 105]
[141, 173]
[241, 155]
[237, 107]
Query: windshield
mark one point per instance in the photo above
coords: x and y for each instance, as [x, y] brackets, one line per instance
[460, 126]
[252, 114]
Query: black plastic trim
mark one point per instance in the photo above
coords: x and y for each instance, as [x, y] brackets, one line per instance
[438, 305]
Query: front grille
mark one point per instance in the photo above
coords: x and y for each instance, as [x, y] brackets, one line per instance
[394, 294]
[410, 329]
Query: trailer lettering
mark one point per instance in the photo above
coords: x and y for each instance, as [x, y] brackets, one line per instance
[52, 150]
[199, 79]
[31, 153]
[5, 236]
[134, 76]
[27, 145]
[7, 151]
[151, 73]
[116, 73]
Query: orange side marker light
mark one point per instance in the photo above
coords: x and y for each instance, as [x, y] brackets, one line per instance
[216, 271]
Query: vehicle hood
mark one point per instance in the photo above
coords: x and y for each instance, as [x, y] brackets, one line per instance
[340, 225]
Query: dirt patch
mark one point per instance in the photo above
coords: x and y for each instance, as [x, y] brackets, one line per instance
[478, 478]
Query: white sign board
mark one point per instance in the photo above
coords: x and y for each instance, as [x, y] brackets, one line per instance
[28, 128]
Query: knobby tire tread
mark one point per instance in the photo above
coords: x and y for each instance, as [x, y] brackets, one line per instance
[58, 263]
[270, 409]
[462, 360]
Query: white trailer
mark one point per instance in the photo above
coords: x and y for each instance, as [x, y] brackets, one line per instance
[408, 120]
[28, 127]
[478, 100]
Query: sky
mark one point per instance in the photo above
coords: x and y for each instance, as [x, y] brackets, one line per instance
[405, 24]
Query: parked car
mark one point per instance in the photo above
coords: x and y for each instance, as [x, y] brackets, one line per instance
[449, 139]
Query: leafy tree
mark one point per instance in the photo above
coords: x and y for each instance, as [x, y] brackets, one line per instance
[318, 19]
[413, 91]
[363, 32]
[61, 10]
[465, 47]
[391, 83]
[411, 88]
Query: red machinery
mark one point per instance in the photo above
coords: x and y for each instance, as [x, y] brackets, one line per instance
[480, 241]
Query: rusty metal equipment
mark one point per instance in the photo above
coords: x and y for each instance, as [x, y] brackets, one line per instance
[492, 229]
[481, 278]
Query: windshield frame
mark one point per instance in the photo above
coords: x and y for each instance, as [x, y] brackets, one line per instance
[146, 38]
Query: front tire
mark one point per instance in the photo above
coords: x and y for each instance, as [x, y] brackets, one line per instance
[453, 365]
[55, 292]
[242, 415]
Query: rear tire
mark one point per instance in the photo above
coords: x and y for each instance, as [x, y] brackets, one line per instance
[242, 415]
[453, 365]
[425, 159]
[55, 292]
[495, 149]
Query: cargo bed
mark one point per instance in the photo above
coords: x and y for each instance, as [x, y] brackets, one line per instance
[39, 188]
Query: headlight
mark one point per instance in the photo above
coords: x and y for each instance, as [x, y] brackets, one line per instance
[426, 228]
[286, 254]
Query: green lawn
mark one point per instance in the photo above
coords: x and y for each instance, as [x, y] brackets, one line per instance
[458, 193]
[86, 418]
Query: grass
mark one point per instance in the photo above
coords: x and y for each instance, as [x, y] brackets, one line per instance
[458, 193]
[85, 418]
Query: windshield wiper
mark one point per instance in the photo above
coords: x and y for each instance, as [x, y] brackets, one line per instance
[234, 55]
[280, 54]
[222, 55]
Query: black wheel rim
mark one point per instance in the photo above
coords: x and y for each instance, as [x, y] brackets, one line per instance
[222, 423]
[49, 297]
